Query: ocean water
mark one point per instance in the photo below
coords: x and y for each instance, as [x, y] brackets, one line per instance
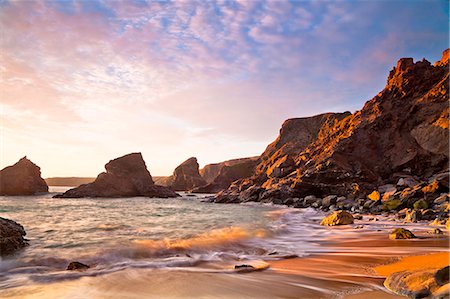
[113, 234]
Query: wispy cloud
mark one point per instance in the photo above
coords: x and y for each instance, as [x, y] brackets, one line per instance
[213, 79]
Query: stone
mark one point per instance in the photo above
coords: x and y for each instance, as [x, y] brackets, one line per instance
[11, 237]
[337, 218]
[436, 231]
[375, 196]
[413, 216]
[126, 176]
[441, 199]
[442, 275]
[420, 204]
[329, 200]
[401, 233]
[310, 199]
[22, 178]
[411, 284]
[77, 266]
[431, 188]
[391, 205]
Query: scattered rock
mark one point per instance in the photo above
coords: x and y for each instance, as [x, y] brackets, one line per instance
[11, 237]
[413, 216]
[442, 275]
[22, 178]
[436, 231]
[375, 196]
[391, 205]
[411, 284]
[420, 204]
[77, 266]
[401, 233]
[250, 266]
[337, 218]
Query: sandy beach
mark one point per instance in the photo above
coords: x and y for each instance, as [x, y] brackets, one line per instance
[347, 269]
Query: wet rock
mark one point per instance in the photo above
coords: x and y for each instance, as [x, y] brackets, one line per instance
[11, 237]
[407, 181]
[22, 178]
[427, 215]
[126, 176]
[401, 233]
[436, 231]
[442, 275]
[337, 218]
[413, 216]
[77, 266]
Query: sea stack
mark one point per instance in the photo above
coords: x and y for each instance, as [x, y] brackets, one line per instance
[186, 176]
[22, 178]
[126, 176]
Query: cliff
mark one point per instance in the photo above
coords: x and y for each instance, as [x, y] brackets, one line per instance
[403, 130]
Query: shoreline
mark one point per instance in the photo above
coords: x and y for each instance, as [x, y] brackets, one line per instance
[345, 269]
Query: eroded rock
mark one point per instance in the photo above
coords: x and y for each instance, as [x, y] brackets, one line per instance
[337, 218]
[22, 178]
[11, 237]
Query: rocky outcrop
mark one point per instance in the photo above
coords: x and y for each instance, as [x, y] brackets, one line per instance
[11, 237]
[126, 176]
[186, 176]
[403, 131]
[211, 171]
[228, 173]
[22, 178]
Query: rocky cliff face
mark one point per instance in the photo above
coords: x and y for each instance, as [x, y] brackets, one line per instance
[403, 129]
[22, 178]
[211, 171]
[126, 176]
[228, 173]
[11, 237]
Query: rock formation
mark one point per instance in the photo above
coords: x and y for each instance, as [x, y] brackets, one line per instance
[228, 172]
[22, 178]
[186, 176]
[211, 171]
[126, 176]
[11, 237]
[401, 131]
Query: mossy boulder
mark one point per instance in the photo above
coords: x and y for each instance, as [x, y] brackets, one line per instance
[421, 204]
[337, 218]
[401, 233]
[391, 205]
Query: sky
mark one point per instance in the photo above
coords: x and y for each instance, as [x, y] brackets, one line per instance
[83, 82]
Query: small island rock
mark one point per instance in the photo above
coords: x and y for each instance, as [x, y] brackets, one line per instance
[401, 233]
[22, 178]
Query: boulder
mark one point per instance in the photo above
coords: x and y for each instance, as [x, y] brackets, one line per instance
[417, 284]
[391, 205]
[401, 233]
[11, 237]
[77, 266]
[22, 178]
[126, 176]
[420, 204]
[337, 218]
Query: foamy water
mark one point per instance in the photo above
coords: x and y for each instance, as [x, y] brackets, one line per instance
[113, 234]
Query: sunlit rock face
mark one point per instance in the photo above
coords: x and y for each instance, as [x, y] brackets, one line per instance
[22, 178]
[211, 171]
[404, 128]
[126, 176]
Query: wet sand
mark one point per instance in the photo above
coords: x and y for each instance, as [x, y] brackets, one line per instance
[348, 268]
